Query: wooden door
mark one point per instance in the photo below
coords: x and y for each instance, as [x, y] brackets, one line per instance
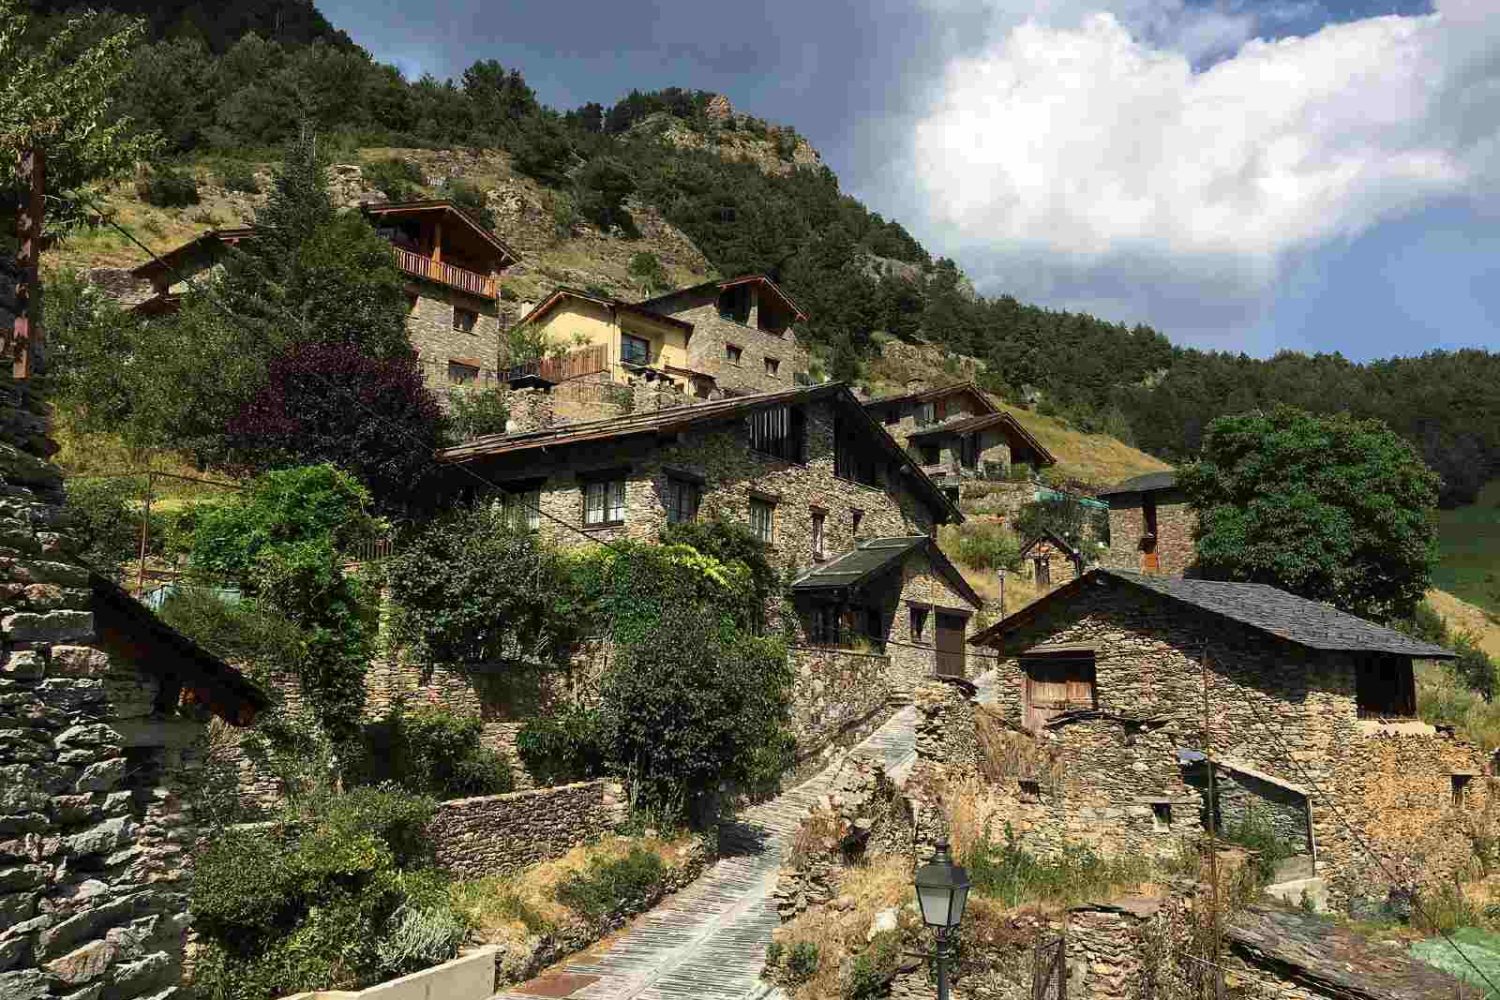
[1055, 685]
[950, 644]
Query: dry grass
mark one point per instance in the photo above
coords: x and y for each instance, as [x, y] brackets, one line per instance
[1443, 699]
[1006, 753]
[1094, 459]
[1463, 617]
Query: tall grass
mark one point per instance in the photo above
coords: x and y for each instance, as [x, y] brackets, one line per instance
[1008, 872]
[1443, 699]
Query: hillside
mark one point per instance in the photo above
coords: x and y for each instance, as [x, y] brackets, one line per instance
[1469, 550]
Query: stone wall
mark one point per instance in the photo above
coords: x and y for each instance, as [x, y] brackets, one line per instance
[835, 690]
[498, 834]
[1175, 523]
[712, 333]
[94, 765]
[1241, 799]
[429, 326]
[1394, 783]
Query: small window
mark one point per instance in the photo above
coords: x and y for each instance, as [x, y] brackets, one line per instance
[779, 431]
[763, 519]
[464, 319]
[892, 417]
[1031, 790]
[926, 414]
[1460, 787]
[825, 625]
[604, 502]
[931, 455]
[635, 350]
[818, 519]
[462, 374]
[1161, 816]
[522, 509]
[773, 365]
[682, 500]
[1385, 688]
[1042, 571]
[856, 517]
[733, 354]
[918, 624]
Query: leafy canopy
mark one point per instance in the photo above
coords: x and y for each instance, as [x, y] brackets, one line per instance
[1332, 508]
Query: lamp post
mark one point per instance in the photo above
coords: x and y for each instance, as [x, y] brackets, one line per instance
[942, 892]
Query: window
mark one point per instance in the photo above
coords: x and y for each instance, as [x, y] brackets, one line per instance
[522, 509]
[779, 431]
[464, 319]
[734, 304]
[682, 500]
[763, 519]
[604, 502]
[1161, 816]
[635, 350]
[926, 413]
[851, 456]
[733, 354]
[1043, 571]
[818, 519]
[918, 624]
[892, 416]
[462, 374]
[930, 454]
[1057, 684]
[825, 625]
[1385, 688]
[856, 517]
[1460, 787]
[1148, 515]
[1031, 790]
[773, 365]
[968, 450]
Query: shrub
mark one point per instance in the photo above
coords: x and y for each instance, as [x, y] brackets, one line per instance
[872, 970]
[646, 269]
[421, 937]
[802, 961]
[1255, 832]
[1012, 874]
[474, 413]
[563, 747]
[237, 175]
[602, 187]
[394, 177]
[431, 752]
[610, 888]
[167, 187]
[107, 521]
[983, 546]
[471, 198]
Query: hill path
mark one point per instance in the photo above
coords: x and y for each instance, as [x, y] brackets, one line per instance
[708, 942]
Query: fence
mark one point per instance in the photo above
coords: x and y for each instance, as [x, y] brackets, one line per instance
[465, 280]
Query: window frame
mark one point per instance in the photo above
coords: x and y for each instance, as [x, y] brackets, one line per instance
[462, 367]
[734, 354]
[819, 518]
[1085, 663]
[772, 365]
[925, 413]
[627, 342]
[678, 487]
[468, 327]
[521, 508]
[790, 445]
[610, 488]
[768, 505]
[918, 623]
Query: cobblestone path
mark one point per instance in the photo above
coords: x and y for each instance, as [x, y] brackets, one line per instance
[708, 942]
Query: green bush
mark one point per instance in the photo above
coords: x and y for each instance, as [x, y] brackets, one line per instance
[397, 179]
[167, 187]
[237, 175]
[431, 751]
[1012, 874]
[611, 888]
[983, 546]
[1255, 832]
[872, 970]
[107, 518]
[563, 747]
[470, 197]
[802, 961]
[474, 413]
[338, 894]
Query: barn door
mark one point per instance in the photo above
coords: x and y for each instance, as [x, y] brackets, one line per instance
[1056, 684]
[950, 644]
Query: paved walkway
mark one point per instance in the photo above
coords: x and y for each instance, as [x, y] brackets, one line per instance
[708, 942]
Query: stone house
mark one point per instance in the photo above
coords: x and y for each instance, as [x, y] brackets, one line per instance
[1150, 525]
[451, 263]
[719, 338]
[103, 712]
[956, 432]
[1311, 717]
[845, 512]
[1049, 561]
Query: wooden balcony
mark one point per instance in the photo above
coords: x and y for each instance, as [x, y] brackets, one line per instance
[574, 364]
[482, 285]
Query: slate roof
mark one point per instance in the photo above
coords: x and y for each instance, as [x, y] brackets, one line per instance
[1315, 952]
[677, 418]
[922, 395]
[984, 421]
[1148, 483]
[1261, 607]
[658, 303]
[562, 293]
[873, 557]
[1055, 539]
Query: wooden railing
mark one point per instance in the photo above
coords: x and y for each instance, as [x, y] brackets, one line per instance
[472, 282]
[574, 364]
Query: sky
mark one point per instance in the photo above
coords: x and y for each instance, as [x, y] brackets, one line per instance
[1246, 175]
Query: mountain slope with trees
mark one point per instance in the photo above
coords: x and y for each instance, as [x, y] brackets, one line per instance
[856, 273]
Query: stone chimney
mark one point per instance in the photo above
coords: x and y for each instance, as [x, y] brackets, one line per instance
[530, 410]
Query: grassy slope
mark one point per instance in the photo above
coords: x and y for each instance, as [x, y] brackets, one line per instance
[1469, 550]
[1464, 617]
[1095, 459]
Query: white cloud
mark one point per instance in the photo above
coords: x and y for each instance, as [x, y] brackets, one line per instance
[1086, 149]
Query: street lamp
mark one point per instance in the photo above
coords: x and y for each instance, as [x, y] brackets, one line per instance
[942, 892]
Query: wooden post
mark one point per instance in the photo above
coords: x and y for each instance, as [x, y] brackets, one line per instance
[26, 341]
[1215, 946]
[140, 575]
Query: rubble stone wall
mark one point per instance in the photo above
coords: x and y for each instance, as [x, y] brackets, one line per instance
[94, 838]
[1282, 710]
[835, 690]
[429, 326]
[712, 333]
[1175, 523]
[496, 834]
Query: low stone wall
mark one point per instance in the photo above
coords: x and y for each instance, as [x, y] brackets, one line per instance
[497, 834]
[834, 690]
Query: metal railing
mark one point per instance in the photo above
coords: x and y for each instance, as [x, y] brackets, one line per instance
[482, 285]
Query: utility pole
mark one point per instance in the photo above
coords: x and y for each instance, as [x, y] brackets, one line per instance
[26, 340]
[1215, 945]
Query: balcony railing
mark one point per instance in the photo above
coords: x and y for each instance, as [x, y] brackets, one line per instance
[574, 364]
[482, 285]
